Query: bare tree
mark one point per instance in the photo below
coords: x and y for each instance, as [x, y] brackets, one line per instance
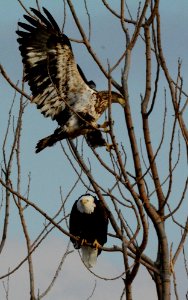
[141, 170]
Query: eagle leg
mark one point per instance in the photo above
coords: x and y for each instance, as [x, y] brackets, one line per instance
[78, 243]
[109, 147]
[105, 126]
[83, 242]
[96, 244]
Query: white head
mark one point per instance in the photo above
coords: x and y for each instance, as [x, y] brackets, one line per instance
[86, 204]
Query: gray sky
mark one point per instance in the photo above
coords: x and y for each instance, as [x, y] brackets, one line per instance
[50, 170]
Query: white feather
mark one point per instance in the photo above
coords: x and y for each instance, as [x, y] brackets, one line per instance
[89, 256]
[86, 204]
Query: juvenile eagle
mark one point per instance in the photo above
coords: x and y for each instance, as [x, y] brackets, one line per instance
[89, 223]
[59, 87]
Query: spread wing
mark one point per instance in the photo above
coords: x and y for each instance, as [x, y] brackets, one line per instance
[50, 68]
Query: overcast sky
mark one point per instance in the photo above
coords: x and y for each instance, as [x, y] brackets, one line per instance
[50, 170]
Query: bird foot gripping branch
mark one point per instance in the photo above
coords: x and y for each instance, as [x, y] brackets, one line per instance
[105, 126]
[109, 147]
[89, 222]
[83, 242]
[96, 244]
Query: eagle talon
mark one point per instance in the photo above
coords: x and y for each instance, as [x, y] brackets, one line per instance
[107, 130]
[96, 244]
[105, 124]
[83, 242]
[79, 242]
[109, 147]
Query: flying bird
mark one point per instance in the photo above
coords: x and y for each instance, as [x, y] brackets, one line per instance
[58, 85]
[89, 224]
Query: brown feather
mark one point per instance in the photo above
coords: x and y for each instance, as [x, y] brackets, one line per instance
[59, 87]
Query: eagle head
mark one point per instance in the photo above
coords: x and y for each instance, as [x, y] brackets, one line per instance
[117, 98]
[86, 204]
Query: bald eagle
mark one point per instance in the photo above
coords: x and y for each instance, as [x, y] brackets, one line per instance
[89, 223]
[59, 87]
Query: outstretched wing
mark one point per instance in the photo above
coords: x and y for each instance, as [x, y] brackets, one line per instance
[50, 69]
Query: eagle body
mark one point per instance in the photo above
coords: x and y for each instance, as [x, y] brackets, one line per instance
[58, 85]
[89, 223]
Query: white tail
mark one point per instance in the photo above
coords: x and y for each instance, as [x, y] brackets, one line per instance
[89, 256]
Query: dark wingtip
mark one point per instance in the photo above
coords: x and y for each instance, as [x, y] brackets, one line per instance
[33, 9]
[45, 10]
[38, 147]
[51, 19]
[37, 150]
[91, 84]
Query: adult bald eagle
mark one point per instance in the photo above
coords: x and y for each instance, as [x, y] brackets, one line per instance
[89, 223]
[59, 87]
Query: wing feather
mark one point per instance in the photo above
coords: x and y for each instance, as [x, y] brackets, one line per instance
[51, 19]
[42, 18]
[50, 68]
[26, 26]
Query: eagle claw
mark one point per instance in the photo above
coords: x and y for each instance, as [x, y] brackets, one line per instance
[96, 244]
[79, 242]
[109, 147]
[83, 242]
[104, 126]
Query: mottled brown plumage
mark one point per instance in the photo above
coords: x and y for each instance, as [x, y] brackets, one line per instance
[59, 87]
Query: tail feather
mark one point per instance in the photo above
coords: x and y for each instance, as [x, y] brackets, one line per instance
[95, 139]
[49, 141]
[89, 256]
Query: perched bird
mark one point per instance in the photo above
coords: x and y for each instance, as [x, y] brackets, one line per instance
[89, 224]
[58, 85]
